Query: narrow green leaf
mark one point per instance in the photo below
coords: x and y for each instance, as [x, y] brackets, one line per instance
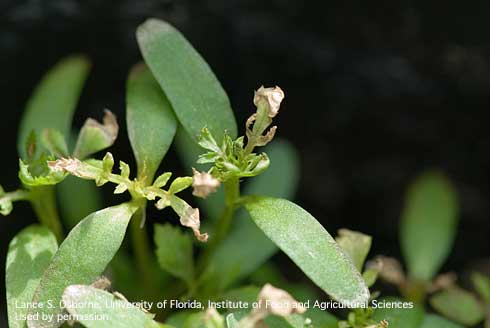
[81, 259]
[54, 100]
[94, 136]
[459, 305]
[180, 184]
[151, 123]
[310, 246]
[28, 256]
[195, 93]
[399, 317]
[246, 247]
[54, 141]
[482, 285]
[435, 321]
[88, 200]
[428, 224]
[355, 244]
[103, 309]
[174, 252]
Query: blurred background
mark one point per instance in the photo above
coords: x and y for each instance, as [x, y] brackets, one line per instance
[375, 94]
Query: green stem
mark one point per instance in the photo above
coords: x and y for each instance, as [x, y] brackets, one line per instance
[43, 201]
[232, 194]
[262, 121]
[141, 244]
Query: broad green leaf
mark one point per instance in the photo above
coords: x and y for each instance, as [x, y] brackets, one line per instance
[103, 309]
[177, 319]
[397, 316]
[291, 321]
[247, 294]
[481, 284]
[81, 258]
[77, 199]
[231, 321]
[28, 256]
[310, 246]
[459, 305]
[151, 123]
[321, 319]
[174, 252]
[54, 141]
[435, 321]
[195, 93]
[94, 136]
[428, 224]
[54, 100]
[355, 244]
[246, 247]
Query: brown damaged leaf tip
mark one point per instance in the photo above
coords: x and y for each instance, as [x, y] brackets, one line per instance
[272, 98]
[203, 184]
[191, 220]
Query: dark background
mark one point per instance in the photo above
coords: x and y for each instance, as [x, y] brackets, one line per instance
[376, 92]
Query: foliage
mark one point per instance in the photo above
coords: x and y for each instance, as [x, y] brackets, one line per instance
[175, 96]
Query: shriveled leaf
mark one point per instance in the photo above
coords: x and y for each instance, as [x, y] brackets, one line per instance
[88, 200]
[355, 244]
[109, 311]
[28, 256]
[458, 305]
[481, 284]
[54, 100]
[150, 120]
[95, 136]
[54, 141]
[81, 258]
[246, 246]
[435, 321]
[428, 224]
[44, 179]
[397, 316]
[310, 246]
[174, 252]
[195, 93]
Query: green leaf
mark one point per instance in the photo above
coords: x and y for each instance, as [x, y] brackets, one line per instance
[94, 137]
[237, 256]
[54, 100]
[428, 224]
[103, 309]
[399, 317]
[189, 151]
[459, 305]
[291, 321]
[180, 184]
[88, 199]
[482, 285]
[81, 258]
[150, 120]
[310, 246]
[435, 321]
[355, 244]
[29, 254]
[54, 141]
[195, 93]
[174, 252]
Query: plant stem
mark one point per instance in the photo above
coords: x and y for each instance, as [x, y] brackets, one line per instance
[141, 245]
[232, 194]
[43, 201]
